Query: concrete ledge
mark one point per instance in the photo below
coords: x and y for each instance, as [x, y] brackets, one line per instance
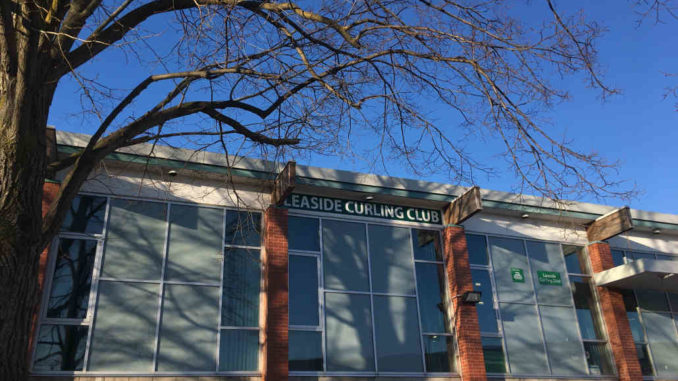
[651, 274]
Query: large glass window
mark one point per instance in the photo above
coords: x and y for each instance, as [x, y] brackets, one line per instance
[66, 317]
[493, 345]
[652, 315]
[152, 287]
[306, 332]
[72, 279]
[547, 324]
[378, 305]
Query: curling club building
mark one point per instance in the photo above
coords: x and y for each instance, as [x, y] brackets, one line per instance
[190, 265]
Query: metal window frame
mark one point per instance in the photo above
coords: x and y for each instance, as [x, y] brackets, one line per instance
[89, 321]
[495, 296]
[322, 291]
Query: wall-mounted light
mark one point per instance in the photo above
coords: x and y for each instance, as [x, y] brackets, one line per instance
[171, 173]
[524, 215]
[656, 231]
[470, 297]
[368, 198]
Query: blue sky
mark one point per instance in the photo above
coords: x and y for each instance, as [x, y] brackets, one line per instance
[636, 127]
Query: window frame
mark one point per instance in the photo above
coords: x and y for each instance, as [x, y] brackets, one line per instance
[366, 221]
[495, 299]
[89, 320]
[627, 254]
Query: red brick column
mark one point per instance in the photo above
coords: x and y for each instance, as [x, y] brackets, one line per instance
[49, 193]
[277, 295]
[614, 315]
[471, 359]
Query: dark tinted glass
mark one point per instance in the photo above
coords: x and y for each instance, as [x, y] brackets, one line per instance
[652, 300]
[673, 300]
[240, 299]
[477, 249]
[303, 290]
[426, 244]
[60, 347]
[585, 305]
[632, 315]
[239, 350]
[644, 359]
[135, 240]
[439, 352]
[345, 256]
[574, 259]
[188, 329]
[597, 358]
[636, 256]
[194, 247]
[618, 257]
[431, 289]
[494, 355]
[396, 334]
[348, 327]
[302, 233]
[72, 279]
[86, 215]
[243, 228]
[487, 316]
[392, 268]
[305, 351]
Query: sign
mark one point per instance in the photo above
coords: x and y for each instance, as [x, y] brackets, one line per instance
[362, 208]
[549, 278]
[517, 275]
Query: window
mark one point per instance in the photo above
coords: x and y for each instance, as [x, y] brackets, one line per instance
[492, 343]
[66, 319]
[588, 315]
[173, 286]
[366, 298]
[306, 327]
[652, 315]
[532, 320]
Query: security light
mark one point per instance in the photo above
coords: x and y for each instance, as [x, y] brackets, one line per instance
[172, 173]
[524, 215]
[470, 297]
[368, 198]
[656, 231]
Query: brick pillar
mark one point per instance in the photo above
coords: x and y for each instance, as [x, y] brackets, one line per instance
[614, 316]
[49, 193]
[276, 326]
[471, 359]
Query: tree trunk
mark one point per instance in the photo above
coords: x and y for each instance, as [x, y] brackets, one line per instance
[24, 107]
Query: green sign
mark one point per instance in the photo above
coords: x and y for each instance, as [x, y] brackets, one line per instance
[517, 275]
[362, 208]
[549, 278]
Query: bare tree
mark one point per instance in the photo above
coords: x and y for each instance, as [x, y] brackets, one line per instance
[279, 76]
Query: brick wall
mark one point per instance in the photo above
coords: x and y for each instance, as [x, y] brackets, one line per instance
[49, 193]
[471, 359]
[276, 325]
[614, 316]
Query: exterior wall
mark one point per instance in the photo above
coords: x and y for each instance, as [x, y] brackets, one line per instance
[529, 228]
[471, 360]
[123, 181]
[378, 378]
[615, 318]
[49, 193]
[639, 241]
[143, 378]
[277, 295]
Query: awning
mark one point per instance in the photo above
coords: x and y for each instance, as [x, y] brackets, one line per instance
[651, 274]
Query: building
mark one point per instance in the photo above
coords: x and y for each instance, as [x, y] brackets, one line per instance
[183, 265]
